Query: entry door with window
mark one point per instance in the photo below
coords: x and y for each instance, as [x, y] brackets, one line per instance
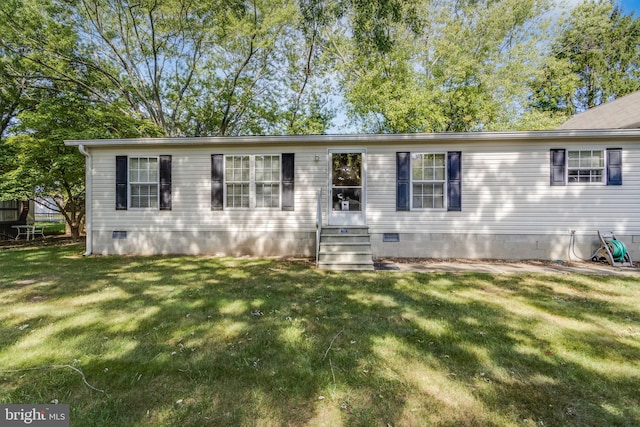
[347, 195]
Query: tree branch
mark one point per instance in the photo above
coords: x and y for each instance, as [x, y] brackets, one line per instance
[331, 344]
[41, 368]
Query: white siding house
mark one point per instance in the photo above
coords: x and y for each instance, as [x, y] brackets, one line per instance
[508, 195]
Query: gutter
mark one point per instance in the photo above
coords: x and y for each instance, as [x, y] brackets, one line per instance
[416, 138]
[88, 199]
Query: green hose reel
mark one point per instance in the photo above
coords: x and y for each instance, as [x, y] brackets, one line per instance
[618, 250]
[612, 250]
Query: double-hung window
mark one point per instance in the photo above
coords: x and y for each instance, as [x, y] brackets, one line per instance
[267, 181]
[252, 181]
[238, 181]
[143, 182]
[586, 166]
[428, 180]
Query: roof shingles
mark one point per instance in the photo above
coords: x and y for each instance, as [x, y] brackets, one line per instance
[622, 113]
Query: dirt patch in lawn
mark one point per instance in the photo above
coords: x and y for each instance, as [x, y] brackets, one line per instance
[40, 242]
[497, 266]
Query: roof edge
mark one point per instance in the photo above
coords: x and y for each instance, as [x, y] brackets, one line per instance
[368, 138]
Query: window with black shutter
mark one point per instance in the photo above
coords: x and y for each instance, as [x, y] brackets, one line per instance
[454, 181]
[217, 182]
[558, 173]
[586, 166]
[122, 173]
[252, 181]
[165, 183]
[288, 178]
[143, 182]
[403, 181]
[614, 166]
[426, 180]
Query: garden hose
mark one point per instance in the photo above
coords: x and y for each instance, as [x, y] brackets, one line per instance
[618, 249]
[572, 249]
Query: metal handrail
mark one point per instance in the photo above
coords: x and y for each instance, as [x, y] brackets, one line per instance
[318, 223]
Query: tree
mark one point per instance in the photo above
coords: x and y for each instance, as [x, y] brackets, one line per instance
[13, 85]
[310, 86]
[192, 67]
[11, 97]
[117, 68]
[595, 59]
[149, 50]
[45, 169]
[67, 100]
[454, 65]
[266, 76]
[14, 97]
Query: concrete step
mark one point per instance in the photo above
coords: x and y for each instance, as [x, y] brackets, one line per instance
[346, 238]
[348, 230]
[342, 266]
[345, 257]
[326, 247]
[345, 248]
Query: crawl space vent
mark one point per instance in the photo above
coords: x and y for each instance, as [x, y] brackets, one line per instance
[119, 235]
[390, 237]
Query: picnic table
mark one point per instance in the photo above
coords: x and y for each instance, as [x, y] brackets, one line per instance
[29, 231]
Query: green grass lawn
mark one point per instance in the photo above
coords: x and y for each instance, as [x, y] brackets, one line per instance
[195, 341]
[53, 228]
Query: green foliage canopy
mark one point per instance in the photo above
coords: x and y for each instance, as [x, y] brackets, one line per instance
[455, 66]
[595, 59]
[191, 67]
[76, 69]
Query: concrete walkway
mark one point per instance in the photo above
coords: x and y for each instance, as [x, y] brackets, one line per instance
[505, 267]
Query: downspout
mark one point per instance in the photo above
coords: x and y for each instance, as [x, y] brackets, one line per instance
[87, 200]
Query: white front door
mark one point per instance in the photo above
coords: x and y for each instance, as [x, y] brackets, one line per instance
[347, 191]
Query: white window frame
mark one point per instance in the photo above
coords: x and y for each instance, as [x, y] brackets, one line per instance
[590, 168]
[253, 183]
[132, 183]
[240, 182]
[267, 182]
[443, 181]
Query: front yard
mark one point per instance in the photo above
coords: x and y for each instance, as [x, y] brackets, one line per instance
[221, 341]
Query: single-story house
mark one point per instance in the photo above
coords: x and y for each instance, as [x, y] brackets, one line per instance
[502, 195]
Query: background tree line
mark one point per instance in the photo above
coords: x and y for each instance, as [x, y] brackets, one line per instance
[81, 69]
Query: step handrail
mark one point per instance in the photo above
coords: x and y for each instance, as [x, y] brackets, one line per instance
[318, 224]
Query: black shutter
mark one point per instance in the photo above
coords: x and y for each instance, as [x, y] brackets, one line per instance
[122, 173]
[165, 183]
[558, 167]
[288, 177]
[454, 181]
[403, 181]
[614, 166]
[217, 182]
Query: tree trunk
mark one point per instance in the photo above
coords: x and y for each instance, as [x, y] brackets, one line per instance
[75, 230]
